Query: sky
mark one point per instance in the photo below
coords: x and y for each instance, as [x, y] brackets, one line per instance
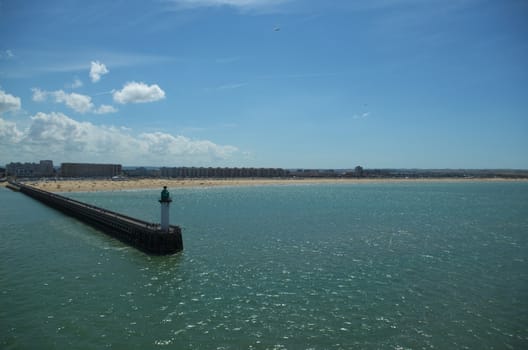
[265, 83]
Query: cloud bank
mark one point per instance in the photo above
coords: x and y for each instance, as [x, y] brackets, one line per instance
[8, 102]
[134, 92]
[55, 135]
[9, 133]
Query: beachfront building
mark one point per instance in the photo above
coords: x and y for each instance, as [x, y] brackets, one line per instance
[42, 169]
[142, 172]
[90, 170]
[193, 172]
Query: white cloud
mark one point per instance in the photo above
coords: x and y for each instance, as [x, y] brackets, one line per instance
[241, 4]
[9, 102]
[134, 92]
[39, 95]
[78, 102]
[104, 109]
[75, 61]
[161, 143]
[97, 70]
[231, 86]
[361, 116]
[68, 139]
[9, 133]
[56, 129]
[77, 83]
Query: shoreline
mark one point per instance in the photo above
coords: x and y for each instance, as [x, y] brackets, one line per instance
[106, 185]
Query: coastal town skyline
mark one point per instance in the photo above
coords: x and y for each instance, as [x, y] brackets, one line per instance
[265, 83]
[46, 169]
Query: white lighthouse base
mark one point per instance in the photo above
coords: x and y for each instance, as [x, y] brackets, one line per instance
[165, 216]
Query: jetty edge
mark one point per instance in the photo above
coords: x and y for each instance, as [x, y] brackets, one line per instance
[148, 237]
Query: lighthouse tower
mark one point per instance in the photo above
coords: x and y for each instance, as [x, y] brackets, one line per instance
[165, 202]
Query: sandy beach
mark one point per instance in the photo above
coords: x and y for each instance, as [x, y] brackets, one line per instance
[91, 185]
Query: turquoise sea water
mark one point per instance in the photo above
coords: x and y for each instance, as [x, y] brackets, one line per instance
[366, 266]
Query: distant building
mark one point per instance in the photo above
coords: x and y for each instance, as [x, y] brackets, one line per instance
[358, 171]
[42, 169]
[315, 173]
[142, 172]
[185, 172]
[89, 170]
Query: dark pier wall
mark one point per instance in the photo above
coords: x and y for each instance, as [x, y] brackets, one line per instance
[143, 235]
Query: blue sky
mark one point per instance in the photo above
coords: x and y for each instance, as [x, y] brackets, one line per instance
[266, 83]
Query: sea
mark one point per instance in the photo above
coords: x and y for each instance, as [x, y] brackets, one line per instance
[309, 266]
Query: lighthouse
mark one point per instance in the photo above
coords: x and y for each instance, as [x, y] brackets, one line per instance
[165, 202]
